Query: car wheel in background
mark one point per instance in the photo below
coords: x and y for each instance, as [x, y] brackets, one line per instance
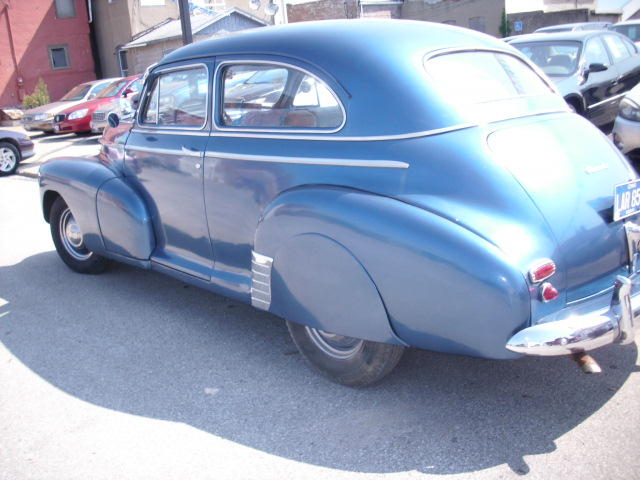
[346, 360]
[9, 158]
[69, 241]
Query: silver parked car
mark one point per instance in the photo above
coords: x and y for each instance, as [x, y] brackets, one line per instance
[41, 118]
[626, 130]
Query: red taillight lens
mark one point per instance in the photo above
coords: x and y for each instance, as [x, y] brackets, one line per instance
[542, 271]
[548, 292]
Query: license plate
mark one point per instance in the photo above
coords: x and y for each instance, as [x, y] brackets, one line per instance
[626, 200]
[56, 128]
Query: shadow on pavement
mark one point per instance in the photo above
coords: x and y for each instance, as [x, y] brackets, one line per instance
[141, 343]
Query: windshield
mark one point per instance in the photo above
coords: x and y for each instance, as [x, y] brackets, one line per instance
[631, 31]
[555, 58]
[76, 93]
[112, 89]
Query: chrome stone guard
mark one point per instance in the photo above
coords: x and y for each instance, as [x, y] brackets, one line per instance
[587, 331]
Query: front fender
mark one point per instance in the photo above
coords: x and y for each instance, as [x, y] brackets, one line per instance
[77, 181]
[112, 216]
[444, 288]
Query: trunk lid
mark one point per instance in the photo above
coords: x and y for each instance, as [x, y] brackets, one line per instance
[569, 170]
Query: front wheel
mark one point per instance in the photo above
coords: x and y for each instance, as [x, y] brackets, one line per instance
[346, 360]
[69, 241]
[9, 158]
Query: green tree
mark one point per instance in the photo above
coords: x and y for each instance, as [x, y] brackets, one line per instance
[505, 26]
[40, 96]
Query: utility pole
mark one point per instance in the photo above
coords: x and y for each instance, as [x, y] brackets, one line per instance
[185, 22]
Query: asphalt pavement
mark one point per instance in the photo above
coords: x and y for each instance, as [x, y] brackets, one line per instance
[134, 375]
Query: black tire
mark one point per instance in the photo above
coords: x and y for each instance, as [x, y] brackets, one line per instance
[69, 243]
[9, 158]
[345, 360]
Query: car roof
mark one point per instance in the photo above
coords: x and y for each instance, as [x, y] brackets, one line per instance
[364, 61]
[578, 25]
[331, 41]
[627, 22]
[576, 35]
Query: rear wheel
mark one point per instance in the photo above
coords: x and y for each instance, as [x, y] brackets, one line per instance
[346, 360]
[69, 241]
[9, 158]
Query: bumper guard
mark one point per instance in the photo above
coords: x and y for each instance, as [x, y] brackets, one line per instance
[584, 331]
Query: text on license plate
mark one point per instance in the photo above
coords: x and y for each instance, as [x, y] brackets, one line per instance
[626, 200]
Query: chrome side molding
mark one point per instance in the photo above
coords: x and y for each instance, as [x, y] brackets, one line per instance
[261, 280]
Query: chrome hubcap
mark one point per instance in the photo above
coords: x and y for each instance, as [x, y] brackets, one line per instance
[7, 159]
[71, 237]
[337, 346]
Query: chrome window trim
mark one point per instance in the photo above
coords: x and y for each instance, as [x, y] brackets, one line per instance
[528, 63]
[217, 87]
[144, 95]
[331, 162]
[363, 138]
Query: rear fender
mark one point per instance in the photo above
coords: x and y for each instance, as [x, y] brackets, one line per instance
[443, 287]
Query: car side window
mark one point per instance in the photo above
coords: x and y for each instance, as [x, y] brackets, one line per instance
[617, 48]
[633, 50]
[178, 98]
[594, 52]
[277, 97]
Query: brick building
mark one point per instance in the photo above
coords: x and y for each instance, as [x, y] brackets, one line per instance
[48, 39]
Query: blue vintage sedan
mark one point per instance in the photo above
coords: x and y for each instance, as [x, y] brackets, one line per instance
[377, 184]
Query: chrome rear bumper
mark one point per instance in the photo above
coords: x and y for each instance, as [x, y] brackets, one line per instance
[579, 330]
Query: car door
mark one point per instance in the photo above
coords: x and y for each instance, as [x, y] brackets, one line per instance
[164, 156]
[598, 88]
[627, 61]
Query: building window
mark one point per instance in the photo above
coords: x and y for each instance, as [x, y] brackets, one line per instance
[59, 57]
[65, 8]
[124, 64]
[477, 23]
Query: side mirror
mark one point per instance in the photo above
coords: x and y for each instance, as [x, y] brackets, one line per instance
[596, 67]
[92, 96]
[127, 92]
[113, 120]
[135, 101]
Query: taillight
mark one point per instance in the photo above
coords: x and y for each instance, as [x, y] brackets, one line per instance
[542, 270]
[548, 292]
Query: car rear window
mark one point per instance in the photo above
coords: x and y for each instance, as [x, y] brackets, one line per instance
[76, 93]
[631, 31]
[479, 77]
[491, 85]
[112, 89]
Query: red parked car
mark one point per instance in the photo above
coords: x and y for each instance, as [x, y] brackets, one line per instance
[77, 119]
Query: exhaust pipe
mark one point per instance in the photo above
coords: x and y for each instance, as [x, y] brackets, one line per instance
[586, 362]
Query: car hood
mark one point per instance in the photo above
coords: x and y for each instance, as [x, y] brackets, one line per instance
[55, 107]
